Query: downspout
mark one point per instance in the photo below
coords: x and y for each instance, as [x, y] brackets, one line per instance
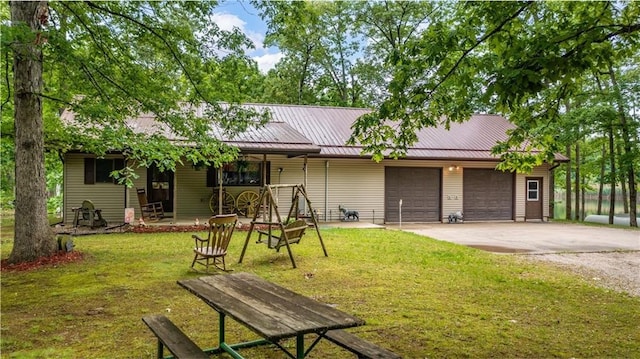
[304, 184]
[326, 189]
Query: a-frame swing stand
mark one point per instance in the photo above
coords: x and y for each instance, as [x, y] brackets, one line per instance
[273, 217]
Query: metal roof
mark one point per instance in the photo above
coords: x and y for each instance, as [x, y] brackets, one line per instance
[322, 131]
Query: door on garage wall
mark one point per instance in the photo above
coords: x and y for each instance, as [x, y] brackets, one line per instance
[487, 194]
[419, 189]
[533, 205]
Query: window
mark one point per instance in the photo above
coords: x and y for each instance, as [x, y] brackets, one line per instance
[533, 190]
[98, 170]
[239, 173]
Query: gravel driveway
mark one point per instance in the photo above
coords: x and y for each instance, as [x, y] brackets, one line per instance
[605, 256]
[619, 271]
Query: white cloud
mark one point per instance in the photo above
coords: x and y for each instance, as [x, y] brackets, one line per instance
[267, 61]
[228, 22]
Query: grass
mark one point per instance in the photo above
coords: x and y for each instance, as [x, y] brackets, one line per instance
[420, 298]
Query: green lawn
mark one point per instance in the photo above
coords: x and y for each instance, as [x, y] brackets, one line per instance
[420, 298]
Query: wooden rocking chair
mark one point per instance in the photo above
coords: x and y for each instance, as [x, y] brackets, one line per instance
[213, 249]
[150, 211]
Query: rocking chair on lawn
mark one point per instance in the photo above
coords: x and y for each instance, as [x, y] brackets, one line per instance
[151, 211]
[213, 249]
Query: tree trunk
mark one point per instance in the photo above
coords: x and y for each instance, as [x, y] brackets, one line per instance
[612, 157]
[603, 160]
[33, 235]
[567, 182]
[552, 194]
[583, 195]
[628, 151]
[577, 183]
[623, 184]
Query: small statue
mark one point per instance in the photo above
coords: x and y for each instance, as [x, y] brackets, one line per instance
[349, 214]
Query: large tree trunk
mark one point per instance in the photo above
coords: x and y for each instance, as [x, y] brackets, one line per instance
[552, 194]
[623, 182]
[603, 163]
[612, 160]
[33, 235]
[567, 186]
[627, 144]
[577, 182]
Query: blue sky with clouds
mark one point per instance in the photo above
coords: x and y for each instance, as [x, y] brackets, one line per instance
[241, 14]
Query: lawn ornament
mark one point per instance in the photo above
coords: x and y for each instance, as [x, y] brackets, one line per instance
[349, 215]
[456, 217]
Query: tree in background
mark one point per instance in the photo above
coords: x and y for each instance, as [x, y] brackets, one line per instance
[522, 59]
[107, 62]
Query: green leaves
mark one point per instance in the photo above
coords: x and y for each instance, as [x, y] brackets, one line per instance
[521, 59]
[109, 62]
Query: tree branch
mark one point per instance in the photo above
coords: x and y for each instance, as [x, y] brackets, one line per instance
[161, 38]
[91, 33]
[478, 43]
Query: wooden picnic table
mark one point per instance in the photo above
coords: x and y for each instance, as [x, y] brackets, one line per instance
[271, 311]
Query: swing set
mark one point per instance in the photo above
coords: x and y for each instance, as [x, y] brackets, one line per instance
[286, 232]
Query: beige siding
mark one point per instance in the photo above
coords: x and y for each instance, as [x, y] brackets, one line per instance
[451, 190]
[541, 171]
[357, 184]
[132, 196]
[106, 196]
[192, 200]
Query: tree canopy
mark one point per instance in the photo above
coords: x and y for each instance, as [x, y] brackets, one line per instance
[106, 62]
[520, 59]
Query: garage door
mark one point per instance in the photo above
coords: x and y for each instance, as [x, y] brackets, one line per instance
[419, 189]
[487, 195]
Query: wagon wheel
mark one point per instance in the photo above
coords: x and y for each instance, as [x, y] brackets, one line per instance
[247, 203]
[228, 203]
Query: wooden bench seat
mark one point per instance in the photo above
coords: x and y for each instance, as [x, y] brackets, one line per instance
[359, 346]
[170, 336]
[292, 233]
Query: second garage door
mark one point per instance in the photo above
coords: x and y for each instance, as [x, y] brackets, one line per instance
[487, 195]
[419, 189]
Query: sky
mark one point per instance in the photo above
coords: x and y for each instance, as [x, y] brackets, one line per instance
[241, 14]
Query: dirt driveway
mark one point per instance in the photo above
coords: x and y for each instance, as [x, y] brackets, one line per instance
[607, 257]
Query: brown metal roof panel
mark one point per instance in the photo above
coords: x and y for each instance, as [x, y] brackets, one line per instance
[323, 125]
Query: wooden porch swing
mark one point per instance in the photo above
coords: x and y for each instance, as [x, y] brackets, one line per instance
[286, 233]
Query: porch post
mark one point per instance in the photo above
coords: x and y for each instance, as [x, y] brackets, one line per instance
[264, 183]
[220, 210]
[304, 182]
[175, 196]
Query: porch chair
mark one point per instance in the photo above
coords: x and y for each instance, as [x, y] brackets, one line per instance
[150, 211]
[88, 215]
[292, 233]
[212, 250]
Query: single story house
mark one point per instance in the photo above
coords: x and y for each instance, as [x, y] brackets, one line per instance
[444, 172]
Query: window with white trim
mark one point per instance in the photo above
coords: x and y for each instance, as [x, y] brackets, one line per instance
[533, 190]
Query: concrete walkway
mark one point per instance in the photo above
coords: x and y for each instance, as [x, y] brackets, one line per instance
[532, 237]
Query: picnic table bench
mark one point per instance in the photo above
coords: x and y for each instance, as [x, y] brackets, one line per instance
[362, 348]
[174, 339]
